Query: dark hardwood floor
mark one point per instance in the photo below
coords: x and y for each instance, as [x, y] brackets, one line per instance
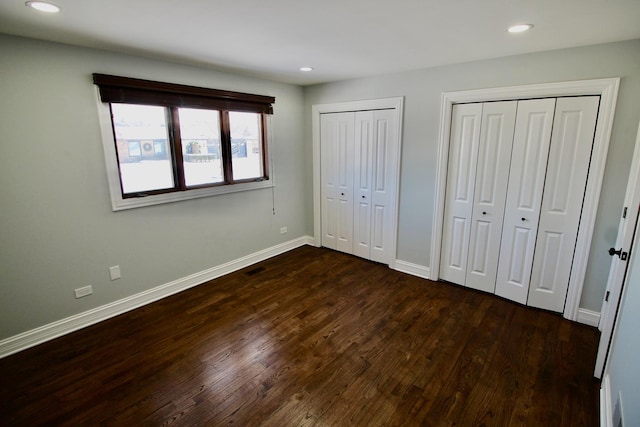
[312, 337]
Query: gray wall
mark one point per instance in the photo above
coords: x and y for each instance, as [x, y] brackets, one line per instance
[623, 367]
[422, 90]
[57, 230]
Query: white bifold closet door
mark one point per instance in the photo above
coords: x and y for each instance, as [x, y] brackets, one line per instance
[494, 156]
[463, 160]
[358, 156]
[476, 191]
[524, 195]
[515, 186]
[375, 155]
[337, 130]
[570, 152]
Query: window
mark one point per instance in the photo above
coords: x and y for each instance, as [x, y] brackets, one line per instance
[170, 139]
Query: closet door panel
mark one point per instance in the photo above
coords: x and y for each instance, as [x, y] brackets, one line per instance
[568, 166]
[494, 157]
[345, 147]
[345, 225]
[336, 151]
[328, 174]
[378, 238]
[461, 175]
[363, 176]
[524, 195]
[384, 163]
[517, 272]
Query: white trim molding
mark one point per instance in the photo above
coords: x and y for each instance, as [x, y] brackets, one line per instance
[413, 269]
[70, 324]
[588, 317]
[607, 89]
[606, 410]
[396, 104]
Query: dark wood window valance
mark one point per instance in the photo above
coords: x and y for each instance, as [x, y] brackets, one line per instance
[115, 89]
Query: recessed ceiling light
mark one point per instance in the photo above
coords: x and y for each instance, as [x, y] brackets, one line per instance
[520, 28]
[43, 6]
[306, 69]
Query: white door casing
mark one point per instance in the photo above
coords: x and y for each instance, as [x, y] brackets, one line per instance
[617, 274]
[385, 137]
[607, 89]
[494, 158]
[571, 144]
[531, 139]
[465, 138]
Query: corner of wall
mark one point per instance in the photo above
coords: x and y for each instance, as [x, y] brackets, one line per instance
[70, 324]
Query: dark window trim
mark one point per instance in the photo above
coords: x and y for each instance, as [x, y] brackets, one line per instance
[137, 91]
[116, 89]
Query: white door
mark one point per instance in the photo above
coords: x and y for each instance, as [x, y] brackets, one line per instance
[363, 175]
[524, 195]
[329, 187]
[571, 143]
[336, 140]
[617, 274]
[374, 183]
[461, 176]
[359, 157]
[494, 157]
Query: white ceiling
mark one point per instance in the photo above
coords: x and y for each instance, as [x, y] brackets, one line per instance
[340, 38]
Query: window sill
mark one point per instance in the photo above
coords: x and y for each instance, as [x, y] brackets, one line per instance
[118, 203]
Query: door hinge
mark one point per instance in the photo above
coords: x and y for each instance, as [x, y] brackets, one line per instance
[606, 297]
[624, 213]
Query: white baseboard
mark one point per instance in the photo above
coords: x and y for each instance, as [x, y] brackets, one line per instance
[413, 269]
[56, 329]
[588, 317]
[70, 324]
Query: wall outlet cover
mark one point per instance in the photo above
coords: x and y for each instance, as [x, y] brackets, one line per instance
[83, 292]
[114, 272]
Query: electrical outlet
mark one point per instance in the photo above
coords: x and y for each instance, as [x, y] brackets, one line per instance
[114, 272]
[283, 230]
[83, 292]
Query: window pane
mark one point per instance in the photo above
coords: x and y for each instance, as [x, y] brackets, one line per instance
[246, 145]
[200, 133]
[142, 144]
